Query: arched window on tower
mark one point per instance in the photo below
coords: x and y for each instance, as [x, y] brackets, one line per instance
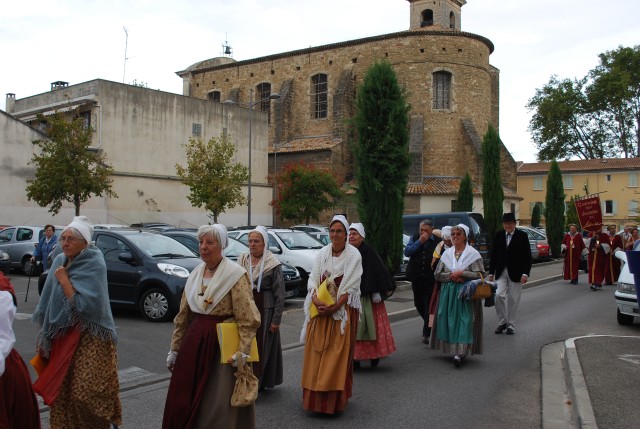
[442, 90]
[427, 18]
[319, 96]
[263, 91]
[213, 96]
[452, 20]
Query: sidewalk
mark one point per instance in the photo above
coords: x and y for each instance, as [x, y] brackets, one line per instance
[565, 405]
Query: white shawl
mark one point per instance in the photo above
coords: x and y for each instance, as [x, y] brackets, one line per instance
[225, 277]
[7, 337]
[469, 256]
[350, 283]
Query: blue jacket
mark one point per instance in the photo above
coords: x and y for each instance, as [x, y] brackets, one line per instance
[43, 249]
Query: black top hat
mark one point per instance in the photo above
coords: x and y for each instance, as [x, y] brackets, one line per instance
[508, 217]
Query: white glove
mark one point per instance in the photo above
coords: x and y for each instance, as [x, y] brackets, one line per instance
[171, 359]
[243, 358]
[376, 298]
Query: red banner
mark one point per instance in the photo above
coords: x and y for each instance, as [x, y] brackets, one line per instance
[589, 213]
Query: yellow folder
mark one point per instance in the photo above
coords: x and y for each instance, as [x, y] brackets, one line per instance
[229, 341]
[323, 295]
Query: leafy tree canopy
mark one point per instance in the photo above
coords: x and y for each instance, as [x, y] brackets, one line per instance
[597, 116]
[464, 202]
[554, 209]
[492, 192]
[536, 215]
[66, 169]
[304, 192]
[214, 180]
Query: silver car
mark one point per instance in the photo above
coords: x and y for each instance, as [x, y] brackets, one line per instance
[19, 243]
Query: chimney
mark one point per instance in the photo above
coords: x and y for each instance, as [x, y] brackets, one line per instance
[10, 103]
[59, 84]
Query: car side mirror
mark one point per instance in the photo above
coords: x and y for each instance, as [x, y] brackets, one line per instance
[35, 244]
[275, 250]
[126, 257]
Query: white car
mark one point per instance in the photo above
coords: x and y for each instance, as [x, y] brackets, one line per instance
[295, 248]
[625, 294]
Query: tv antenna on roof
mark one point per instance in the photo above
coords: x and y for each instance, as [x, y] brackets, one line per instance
[126, 43]
[226, 48]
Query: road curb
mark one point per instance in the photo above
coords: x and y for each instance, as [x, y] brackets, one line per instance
[577, 386]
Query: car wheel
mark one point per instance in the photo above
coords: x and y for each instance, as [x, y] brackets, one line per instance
[155, 305]
[624, 319]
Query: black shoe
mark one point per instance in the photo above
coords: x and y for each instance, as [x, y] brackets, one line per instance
[500, 328]
[510, 331]
[593, 287]
[356, 364]
[375, 362]
[457, 361]
[573, 282]
[425, 340]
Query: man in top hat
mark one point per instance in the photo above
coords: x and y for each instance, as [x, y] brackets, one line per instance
[572, 247]
[510, 267]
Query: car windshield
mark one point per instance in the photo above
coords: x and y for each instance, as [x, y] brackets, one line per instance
[298, 240]
[477, 223]
[159, 246]
[234, 248]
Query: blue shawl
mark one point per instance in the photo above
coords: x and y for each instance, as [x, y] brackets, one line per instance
[88, 308]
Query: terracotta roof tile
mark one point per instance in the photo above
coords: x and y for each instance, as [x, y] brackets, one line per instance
[307, 144]
[442, 185]
[582, 165]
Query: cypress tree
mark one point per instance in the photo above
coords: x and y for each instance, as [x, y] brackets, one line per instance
[382, 160]
[572, 214]
[554, 210]
[535, 216]
[492, 193]
[465, 195]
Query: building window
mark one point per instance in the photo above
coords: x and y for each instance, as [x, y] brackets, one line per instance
[263, 91]
[452, 20]
[633, 208]
[214, 96]
[427, 18]
[537, 183]
[442, 90]
[196, 129]
[610, 207]
[567, 182]
[608, 177]
[319, 96]
[633, 180]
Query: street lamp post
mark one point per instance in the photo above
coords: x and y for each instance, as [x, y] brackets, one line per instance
[272, 96]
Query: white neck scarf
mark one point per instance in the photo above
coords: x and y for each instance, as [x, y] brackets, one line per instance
[469, 256]
[225, 277]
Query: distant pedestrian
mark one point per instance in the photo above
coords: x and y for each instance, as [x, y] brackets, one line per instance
[374, 339]
[265, 273]
[18, 403]
[599, 249]
[78, 336]
[457, 326]
[330, 336]
[420, 250]
[510, 267]
[632, 238]
[45, 246]
[612, 269]
[572, 247]
[201, 386]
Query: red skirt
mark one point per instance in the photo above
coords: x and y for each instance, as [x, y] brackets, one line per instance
[18, 404]
[384, 344]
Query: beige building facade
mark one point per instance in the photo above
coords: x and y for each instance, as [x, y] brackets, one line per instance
[451, 86]
[615, 180]
[141, 132]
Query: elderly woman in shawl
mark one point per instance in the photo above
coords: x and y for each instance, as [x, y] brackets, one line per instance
[457, 326]
[265, 273]
[374, 339]
[201, 387]
[78, 336]
[330, 336]
[18, 403]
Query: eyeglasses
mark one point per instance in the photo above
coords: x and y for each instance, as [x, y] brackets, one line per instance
[456, 233]
[336, 231]
[68, 239]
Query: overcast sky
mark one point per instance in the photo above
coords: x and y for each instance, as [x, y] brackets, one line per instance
[42, 41]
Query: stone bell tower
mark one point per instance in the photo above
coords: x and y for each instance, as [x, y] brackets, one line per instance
[437, 14]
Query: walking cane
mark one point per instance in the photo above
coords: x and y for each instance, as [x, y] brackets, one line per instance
[29, 282]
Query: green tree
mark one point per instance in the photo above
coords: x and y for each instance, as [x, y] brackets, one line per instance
[304, 192]
[66, 169]
[382, 160]
[464, 203]
[535, 216]
[214, 180]
[492, 192]
[554, 209]
[572, 214]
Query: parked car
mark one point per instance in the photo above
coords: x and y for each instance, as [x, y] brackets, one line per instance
[402, 269]
[234, 248]
[145, 270]
[478, 236]
[625, 294]
[322, 237]
[5, 262]
[153, 225]
[19, 242]
[311, 228]
[540, 242]
[296, 248]
[109, 226]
